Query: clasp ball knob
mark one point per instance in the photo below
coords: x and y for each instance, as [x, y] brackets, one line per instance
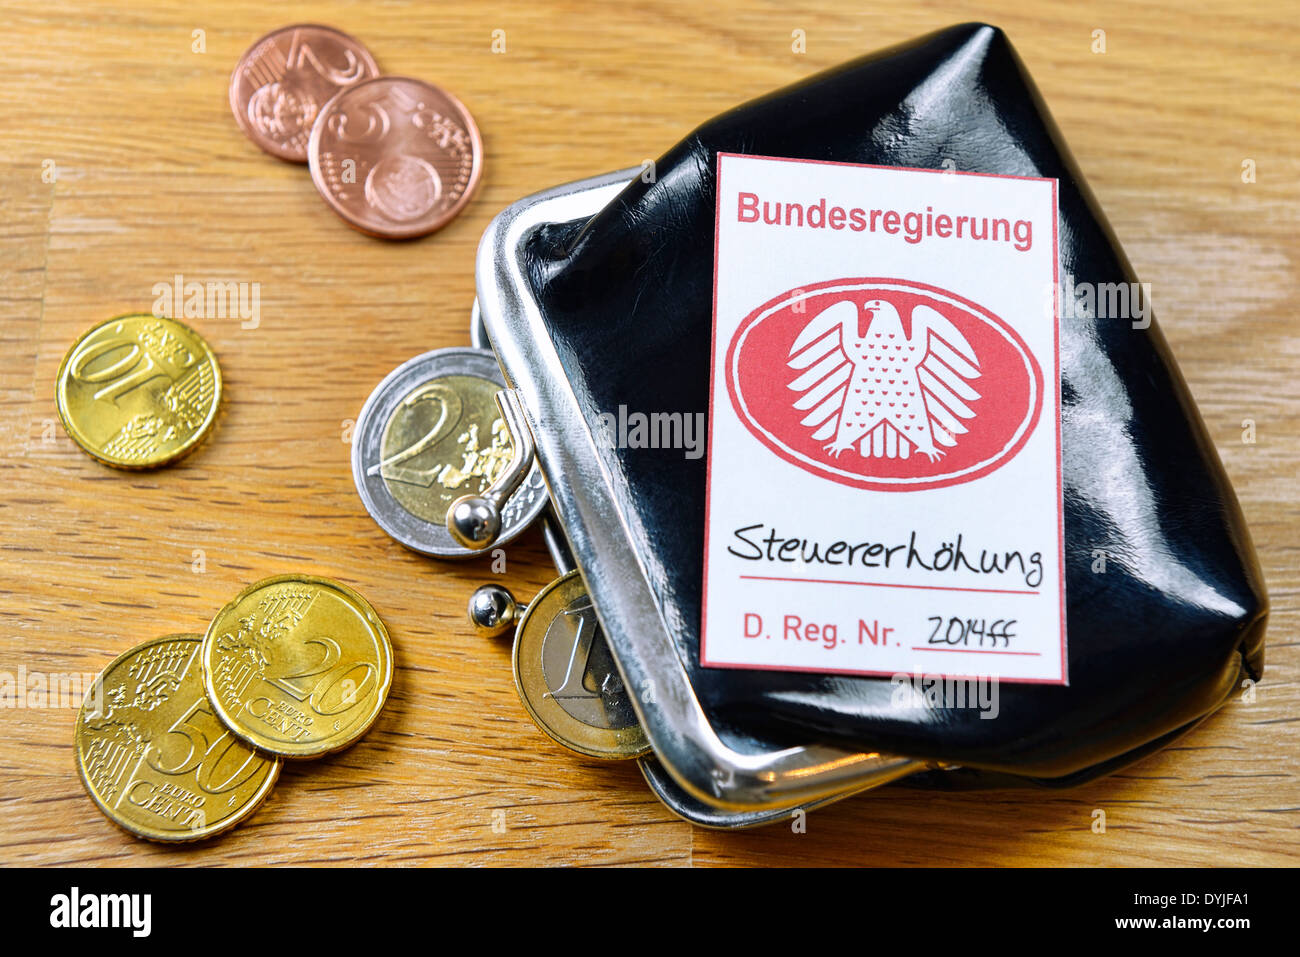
[474, 521]
[493, 611]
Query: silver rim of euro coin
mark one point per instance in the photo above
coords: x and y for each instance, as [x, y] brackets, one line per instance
[413, 531]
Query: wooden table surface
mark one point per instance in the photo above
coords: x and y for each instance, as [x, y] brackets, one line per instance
[152, 178]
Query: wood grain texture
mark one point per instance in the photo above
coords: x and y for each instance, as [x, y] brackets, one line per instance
[154, 179]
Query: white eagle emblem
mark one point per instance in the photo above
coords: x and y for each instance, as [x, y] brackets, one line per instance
[870, 387]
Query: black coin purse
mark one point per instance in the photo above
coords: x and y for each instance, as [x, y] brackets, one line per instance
[598, 295]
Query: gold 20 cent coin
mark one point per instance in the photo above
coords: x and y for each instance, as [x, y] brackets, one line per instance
[138, 391]
[154, 757]
[566, 676]
[297, 665]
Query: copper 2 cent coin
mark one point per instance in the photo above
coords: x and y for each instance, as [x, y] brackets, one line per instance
[395, 157]
[280, 85]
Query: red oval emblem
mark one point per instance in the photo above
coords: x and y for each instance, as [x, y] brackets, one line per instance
[884, 384]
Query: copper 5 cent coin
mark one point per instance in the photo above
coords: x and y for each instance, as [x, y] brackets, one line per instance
[281, 83]
[395, 157]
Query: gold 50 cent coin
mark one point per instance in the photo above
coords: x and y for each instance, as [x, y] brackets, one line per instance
[154, 757]
[566, 676]
[138, 391]
[298, 666]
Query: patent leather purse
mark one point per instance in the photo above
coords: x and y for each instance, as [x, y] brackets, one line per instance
[597, 294]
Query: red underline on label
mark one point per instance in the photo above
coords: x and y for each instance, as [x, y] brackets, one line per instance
[832, 581]
[978, 651]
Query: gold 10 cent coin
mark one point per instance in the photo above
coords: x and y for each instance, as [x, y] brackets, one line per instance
[154, 757]
[298, 666]
[566, 676]
[138, 391]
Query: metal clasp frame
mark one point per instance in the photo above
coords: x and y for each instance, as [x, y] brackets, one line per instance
[717, 782]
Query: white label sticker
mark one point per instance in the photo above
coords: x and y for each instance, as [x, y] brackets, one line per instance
[884, 425]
